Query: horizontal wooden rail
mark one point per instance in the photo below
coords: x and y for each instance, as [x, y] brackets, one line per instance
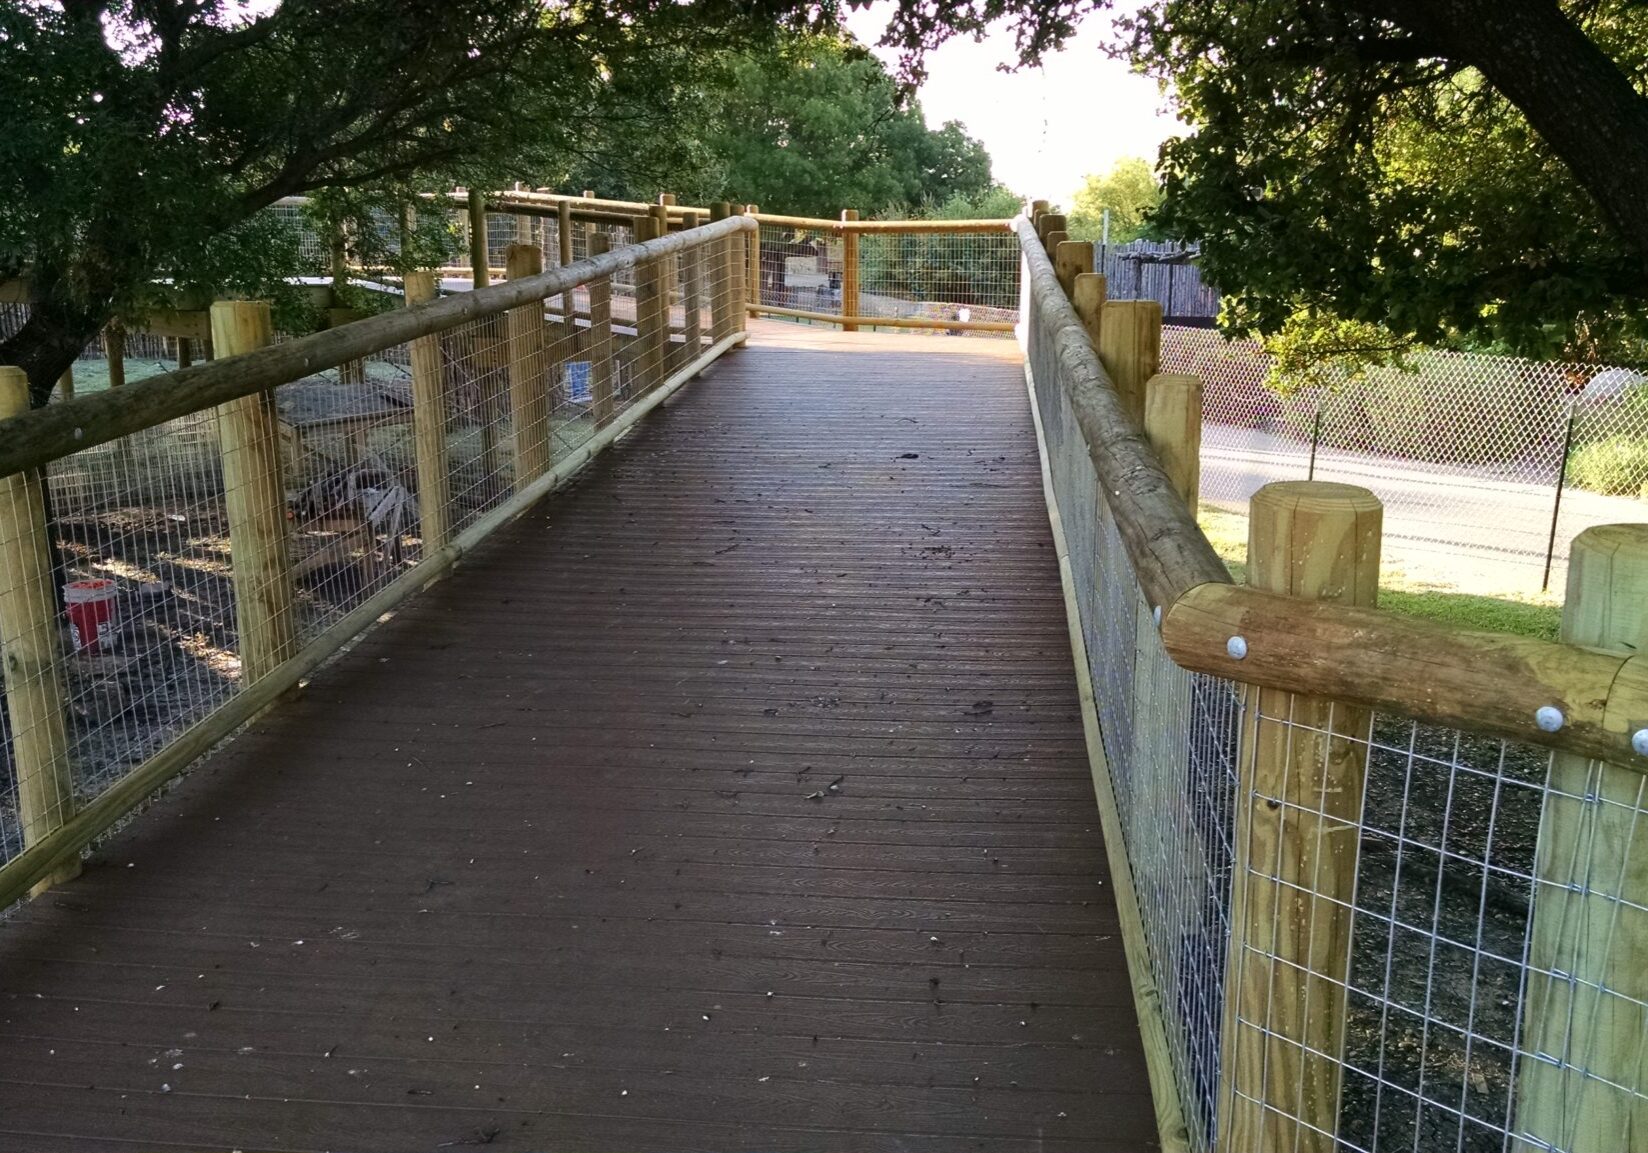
[39, 860]
[46, 434]
[911, 227]
[1465, 679]
[887, 321]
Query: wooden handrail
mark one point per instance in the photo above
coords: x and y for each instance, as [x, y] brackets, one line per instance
[46, 434]
[942, 227]
[1484, 682]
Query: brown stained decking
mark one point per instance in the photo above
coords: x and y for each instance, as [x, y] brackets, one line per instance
[733, 800]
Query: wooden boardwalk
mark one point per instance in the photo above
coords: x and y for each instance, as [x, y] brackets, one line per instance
[733, 800]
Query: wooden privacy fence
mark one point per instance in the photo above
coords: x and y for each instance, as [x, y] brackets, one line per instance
[261, 510]
[1384, 881]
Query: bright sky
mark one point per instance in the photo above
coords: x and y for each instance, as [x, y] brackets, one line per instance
[1045, 128]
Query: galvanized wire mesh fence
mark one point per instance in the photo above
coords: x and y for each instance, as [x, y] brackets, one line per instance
[156, 578]
[1362, 931]
[1467, 452]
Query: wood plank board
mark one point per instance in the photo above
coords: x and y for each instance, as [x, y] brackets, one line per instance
[735, 799]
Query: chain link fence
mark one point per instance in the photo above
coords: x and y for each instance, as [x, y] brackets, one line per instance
[1487, 465]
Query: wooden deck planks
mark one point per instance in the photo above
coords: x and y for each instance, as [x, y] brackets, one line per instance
[734, 800]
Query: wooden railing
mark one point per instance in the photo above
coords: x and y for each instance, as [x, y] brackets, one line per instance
[508, 391]
[1237, 733]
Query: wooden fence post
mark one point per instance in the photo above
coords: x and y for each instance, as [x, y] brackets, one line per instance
[1071, 258]
[528, 396]
[480, 269]
[752, 250]
[1130, 348]
[31, 650]
[1087, 297]
[1049, 222]
[254, 496]
[849, 269]
[1301, 764]
[429, 423]
[720, 289]
[65, 384]
[563, 221]
[651, 316]
[737, 286]
[601, 362]
[692, 297]
[1173, 426]
[1582, 1087]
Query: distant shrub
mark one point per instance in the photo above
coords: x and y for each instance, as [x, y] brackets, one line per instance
[1616, 466]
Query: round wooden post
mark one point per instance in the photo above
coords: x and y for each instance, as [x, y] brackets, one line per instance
[720, 292]
[1173, 426]
[1301, 765]
[601, 362]
[1071, 258]
[849, 270]
[737, 285]
[563, 223]
[31, 650]
[65, 384]
[1087, 297]
[1037, 207]
[429, 423]
[480, 270]
[528, 397]
[1584, 1075]
[254, 496]
[752, 252]
[1130, 348]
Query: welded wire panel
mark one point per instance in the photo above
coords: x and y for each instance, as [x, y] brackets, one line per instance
[1465, 451]
[939, 276]
[800, 268]
[138, 567]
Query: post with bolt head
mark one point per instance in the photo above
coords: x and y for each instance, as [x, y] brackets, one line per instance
[1301, 764]
[1584, 1089]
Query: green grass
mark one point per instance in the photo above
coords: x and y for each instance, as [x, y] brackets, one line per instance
[1536, 617]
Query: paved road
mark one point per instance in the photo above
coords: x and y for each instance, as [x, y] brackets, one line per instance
[1442, 525]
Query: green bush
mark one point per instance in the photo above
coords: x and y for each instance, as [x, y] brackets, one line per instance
[1617, 466]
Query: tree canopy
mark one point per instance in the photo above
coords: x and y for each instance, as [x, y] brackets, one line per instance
[1362, 174]
[809, 124]
[1129, 190]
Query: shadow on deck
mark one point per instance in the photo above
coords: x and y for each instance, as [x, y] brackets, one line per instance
[736, 799]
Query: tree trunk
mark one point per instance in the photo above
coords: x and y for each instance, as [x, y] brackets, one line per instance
[48, 343]
[1572, 93]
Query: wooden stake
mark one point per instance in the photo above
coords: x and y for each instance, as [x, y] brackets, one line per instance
[480, 271]
[429, 423]
[1049, 222]
[1130, 348]
[65, 384]
[1582, 1089]
[528, 396]
[1071, 258]
[1052, 240]
[255, 499]
[1173, 425]
[601, 361]
[849, 270]
[31, 651]
[185, 353]
[1301, 765]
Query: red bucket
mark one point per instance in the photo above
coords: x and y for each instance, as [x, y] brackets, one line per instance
[90, 608]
